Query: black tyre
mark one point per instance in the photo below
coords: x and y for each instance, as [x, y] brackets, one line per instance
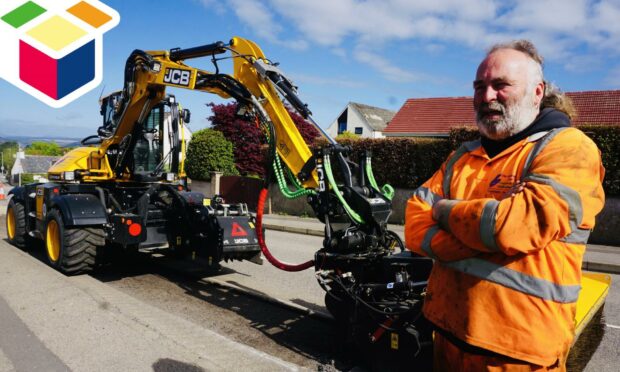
[71, 250]
[16, 224]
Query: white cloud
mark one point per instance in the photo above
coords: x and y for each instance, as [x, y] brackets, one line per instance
[606, 23]
[373, 24]
[579, 63]
[323, 80]
[261, 20]
[257, 16]
[385, 67]
[340, 52]
[214, 5]
[329, 22]
[546, 15]
[561, 29]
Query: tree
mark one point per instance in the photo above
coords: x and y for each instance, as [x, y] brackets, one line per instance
[44, 148]
[245, 135]
[248, 138]
[8, 150]
[209, 151]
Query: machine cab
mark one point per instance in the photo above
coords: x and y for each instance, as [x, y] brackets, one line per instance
[109, 105]
[156, 146]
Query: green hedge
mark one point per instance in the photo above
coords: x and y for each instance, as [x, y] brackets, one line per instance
[408, 162]
[209, 151]
[462, 134]
[401, 162]
[607, 138]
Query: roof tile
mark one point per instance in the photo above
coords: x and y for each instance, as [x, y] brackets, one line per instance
[438, 115]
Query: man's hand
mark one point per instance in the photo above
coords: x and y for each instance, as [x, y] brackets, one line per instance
[441, 212]
[514, 190]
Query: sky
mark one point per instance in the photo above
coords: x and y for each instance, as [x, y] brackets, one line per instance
[375, 52]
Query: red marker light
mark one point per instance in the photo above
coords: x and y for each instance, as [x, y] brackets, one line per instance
[135, 229]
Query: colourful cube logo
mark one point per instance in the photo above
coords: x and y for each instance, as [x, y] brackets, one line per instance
[53, 49]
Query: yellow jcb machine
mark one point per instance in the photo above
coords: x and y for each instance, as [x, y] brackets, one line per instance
[129, 190]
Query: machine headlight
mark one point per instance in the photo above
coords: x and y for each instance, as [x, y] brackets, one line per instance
[69, 176]
[156, 67]
[170, 176]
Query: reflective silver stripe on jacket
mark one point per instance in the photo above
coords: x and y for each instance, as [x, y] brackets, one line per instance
[540, 145]
[579, 236]
[516, 280]
[465, 148]
[444, 215]
[570, 196]
[536, 136]
[426, 242]
[427, 195]
[487, 225]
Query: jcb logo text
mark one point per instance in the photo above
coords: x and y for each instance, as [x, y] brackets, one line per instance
[178, 77]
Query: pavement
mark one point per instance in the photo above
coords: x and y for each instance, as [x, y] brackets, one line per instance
[51, 322]
[601, 258]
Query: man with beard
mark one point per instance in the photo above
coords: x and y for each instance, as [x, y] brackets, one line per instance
[506, 219]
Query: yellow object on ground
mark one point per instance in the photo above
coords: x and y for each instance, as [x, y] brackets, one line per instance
[594, 289]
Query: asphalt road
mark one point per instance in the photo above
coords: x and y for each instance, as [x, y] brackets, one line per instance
[149, 313]
[597, 350]
[170, 291]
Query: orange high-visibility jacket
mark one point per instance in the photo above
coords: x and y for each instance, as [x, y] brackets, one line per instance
[507, 269]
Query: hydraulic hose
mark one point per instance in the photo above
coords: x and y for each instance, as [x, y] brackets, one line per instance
[261, 240]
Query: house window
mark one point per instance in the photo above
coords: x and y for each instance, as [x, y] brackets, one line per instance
[342, 122]
[359, 130]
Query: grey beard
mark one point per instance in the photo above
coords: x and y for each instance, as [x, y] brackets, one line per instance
[514, 119]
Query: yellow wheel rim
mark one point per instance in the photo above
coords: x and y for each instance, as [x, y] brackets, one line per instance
[10, 223]
[52, 240]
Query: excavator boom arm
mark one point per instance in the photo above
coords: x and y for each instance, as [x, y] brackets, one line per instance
[255, 82]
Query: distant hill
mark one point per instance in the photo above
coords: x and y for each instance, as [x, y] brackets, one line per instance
[25, 141]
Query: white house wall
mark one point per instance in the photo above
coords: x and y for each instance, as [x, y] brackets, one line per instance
[332, 130]
[355, 119]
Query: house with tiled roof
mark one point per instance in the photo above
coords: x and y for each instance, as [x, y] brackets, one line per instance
[364, 120]
[598, 107]
[36, 165]
[433, 117]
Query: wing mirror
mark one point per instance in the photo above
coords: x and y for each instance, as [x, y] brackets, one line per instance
[186, 114]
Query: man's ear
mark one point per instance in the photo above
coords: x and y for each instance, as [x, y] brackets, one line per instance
[539, 93]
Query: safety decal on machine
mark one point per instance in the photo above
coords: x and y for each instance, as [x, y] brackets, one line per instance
[53, 49]
[237, 230]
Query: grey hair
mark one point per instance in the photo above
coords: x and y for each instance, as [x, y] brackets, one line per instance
[555, 98]
[526, 47]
